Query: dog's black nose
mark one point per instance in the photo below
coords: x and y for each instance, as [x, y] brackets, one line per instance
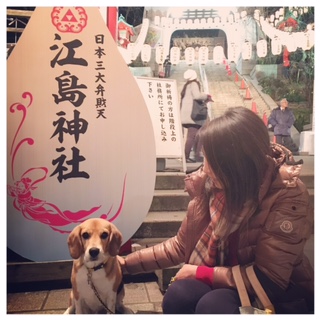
[94, 252]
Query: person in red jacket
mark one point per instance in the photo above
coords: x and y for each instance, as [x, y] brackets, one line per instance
[286, 63]
[247, 207]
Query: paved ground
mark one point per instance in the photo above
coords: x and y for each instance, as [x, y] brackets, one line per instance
[141, 297]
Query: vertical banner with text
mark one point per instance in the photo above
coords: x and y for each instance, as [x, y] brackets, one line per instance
[72, 154]
[161, 97]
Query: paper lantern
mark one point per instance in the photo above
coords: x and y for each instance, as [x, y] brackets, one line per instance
[246, 50]
[146, 53]
[307, 39]
[218, 54]
[131, 50]
[276, 46]
[189, 55]
[203, 55]
[233, 52]
[262, 48]
[159, 54]
[290, 43]
[175, 55]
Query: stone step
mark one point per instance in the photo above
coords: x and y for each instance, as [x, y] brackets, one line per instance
[177, 200]
[169, 200]
[175, 180]
[170, 180]
[160, 224]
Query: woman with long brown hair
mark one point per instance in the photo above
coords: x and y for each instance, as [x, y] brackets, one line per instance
[248, 207]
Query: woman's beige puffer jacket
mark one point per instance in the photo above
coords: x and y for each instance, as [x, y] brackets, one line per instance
[274, 240]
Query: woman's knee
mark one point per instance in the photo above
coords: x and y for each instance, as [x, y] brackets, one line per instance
[182, 296]
[219, 301]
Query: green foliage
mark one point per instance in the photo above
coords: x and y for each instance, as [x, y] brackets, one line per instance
[300, 84]
[278, 88]
[302, 116]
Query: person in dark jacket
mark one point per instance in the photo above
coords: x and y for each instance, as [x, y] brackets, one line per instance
[248, 207]
[167, 67]
[282, 119]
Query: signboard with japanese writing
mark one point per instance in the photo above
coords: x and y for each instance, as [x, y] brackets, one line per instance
[78, 132]
[162, 101]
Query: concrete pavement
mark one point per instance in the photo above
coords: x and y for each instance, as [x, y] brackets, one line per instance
[142, 297]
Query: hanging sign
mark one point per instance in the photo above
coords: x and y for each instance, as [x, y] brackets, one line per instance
[77, 130]
[161, 98]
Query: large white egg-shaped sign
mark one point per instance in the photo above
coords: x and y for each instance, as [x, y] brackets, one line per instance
[80, 142]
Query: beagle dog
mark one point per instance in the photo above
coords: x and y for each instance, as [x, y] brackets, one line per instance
[96, 277]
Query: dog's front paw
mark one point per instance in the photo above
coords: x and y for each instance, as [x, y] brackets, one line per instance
[124, 310]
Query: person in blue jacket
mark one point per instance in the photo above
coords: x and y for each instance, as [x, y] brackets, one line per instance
[282, 119]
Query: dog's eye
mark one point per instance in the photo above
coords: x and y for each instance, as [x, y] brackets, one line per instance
[85, 235]
[104, 235]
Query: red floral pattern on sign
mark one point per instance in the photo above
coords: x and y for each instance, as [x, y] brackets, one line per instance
[73, 19]
[41, 210]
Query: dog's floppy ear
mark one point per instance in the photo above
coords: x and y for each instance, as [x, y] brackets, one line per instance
[115, 241]
[74, 243]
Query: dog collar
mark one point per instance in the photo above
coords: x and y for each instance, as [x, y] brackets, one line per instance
[98, 267]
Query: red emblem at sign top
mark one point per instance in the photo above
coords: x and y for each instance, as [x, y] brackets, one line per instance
[72, 19]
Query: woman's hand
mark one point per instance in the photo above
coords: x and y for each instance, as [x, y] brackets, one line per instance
[122, 264]
[188, 271]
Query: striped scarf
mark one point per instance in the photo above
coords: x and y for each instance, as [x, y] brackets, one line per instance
[205, 250]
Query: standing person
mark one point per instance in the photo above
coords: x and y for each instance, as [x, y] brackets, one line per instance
[190, 91]
[282, 119]
[286, 63]
[167, 67]
[248, 207]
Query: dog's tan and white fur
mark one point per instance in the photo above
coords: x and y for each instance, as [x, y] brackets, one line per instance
[96, 274]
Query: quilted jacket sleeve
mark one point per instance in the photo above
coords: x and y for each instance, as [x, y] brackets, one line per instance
[177, 249]
[163, 255]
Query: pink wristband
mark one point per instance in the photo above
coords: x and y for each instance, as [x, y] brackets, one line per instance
[205, 274]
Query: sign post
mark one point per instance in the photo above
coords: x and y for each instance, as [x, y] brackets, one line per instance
[161, 97]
